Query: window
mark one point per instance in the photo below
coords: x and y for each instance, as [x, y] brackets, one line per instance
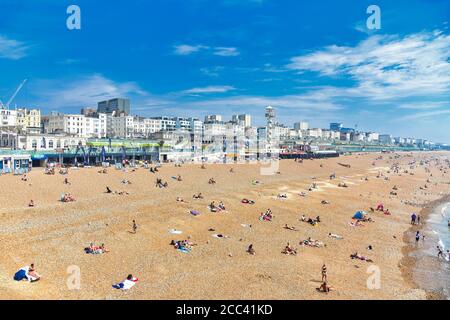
[34, 144]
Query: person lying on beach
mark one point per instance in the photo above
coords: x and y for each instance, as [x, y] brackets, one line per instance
[125, 181]
[360, 257]
[198, 196]
[24, 177]
[67, 197]
[179, 199]
[325, 202]
[282, 196]
[250, 250]
[289, 250]
[31, 204]
[342, 185]
[312, 243]
[266, 216]
[247, 201]
[380, 207]
[356, 223]
[104, 171]
[324, 287]
[93, 249]
[182, 245]
[108, 190]
[66, 181]
[292, 228]
[179, 178]
[303, 218]
[212, 206]
[221, 206]
[212, 181]
[335, 236]
[127, 284]
[302, 194]
[27, 273]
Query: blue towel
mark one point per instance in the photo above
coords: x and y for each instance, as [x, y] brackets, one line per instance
[20, 275]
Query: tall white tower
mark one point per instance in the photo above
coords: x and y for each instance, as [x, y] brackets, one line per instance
[270, 116]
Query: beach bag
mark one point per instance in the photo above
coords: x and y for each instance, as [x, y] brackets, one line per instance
[20, 275]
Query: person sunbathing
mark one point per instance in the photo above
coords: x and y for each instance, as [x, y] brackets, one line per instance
[250, 250]
[360, 257]
[212, 181]
[289, 250]
[282, 196]
[335, 236]
[108, 190]
[198, 196]
[127, 284]
[31, 204]
[312, 243]
[179, 199]
[212, 207]
[33, 274]
[27, 273]
[221, 206]
[324, 287]
[325, 202]
[247, 201]
[292, 228]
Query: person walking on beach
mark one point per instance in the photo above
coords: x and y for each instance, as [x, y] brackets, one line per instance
[417, 236]
[134, 227]
[324, 273]
[440, 252]
[413, 218]
[418, 219]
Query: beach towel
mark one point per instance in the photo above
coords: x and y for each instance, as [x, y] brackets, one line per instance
[175, 231]
[184, 250]
[126, 284]
[194, 212]
[22, 274]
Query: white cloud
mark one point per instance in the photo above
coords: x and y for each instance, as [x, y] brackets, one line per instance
[209, 89]
[386, 67]
[424, 115]
[12, 49]
[86, 91]
[226, 51]
[185, 49]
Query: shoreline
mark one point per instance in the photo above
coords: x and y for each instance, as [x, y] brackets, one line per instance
[409, 262]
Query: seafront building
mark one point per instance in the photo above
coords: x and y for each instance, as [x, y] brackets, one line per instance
[111, 132]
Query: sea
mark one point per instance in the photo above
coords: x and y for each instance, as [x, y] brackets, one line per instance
[431, 273]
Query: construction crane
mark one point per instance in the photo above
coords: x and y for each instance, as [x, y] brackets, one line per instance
[6, 106]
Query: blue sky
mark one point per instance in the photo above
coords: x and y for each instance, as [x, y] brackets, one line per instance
[312, 60]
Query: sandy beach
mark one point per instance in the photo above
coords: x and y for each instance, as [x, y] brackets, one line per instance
[53, 234]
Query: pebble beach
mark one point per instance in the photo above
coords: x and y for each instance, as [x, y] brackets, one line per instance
[53, 234]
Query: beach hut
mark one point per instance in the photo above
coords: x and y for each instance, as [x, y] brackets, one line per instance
[15, 163]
